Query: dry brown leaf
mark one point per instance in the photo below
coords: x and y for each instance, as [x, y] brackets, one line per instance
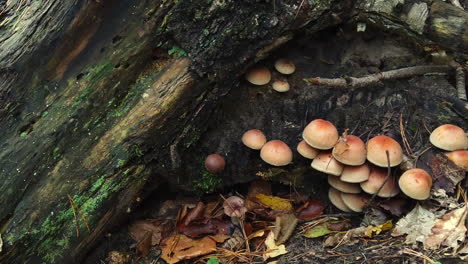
[463, 252]
[220, 238]
[284, 227]
[139, 229]
[416, 224]
[275, 203]
[181, 247]
[363, 231]
[143, 247]
[449, 230]
[257, 187]
[272, 249]
[195, 213]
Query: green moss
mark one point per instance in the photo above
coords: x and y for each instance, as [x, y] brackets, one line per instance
[177, 52]
[121, 163]
[207, 182]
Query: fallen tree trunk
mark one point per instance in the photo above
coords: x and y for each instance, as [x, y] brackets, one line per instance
[93, 107]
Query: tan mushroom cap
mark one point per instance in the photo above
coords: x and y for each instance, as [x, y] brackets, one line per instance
[342, 186]
[280, 86]
[325, 162]
[254, 139]
[459, 157]
[258, 76]
[416, 183]
[376, 179]
[285, 66]
[376, 148]
[277, 153]
[355, 202]
[307, 151]
[335, 198]
[449, 137]
[320, 134]
[355, 174]
[350, 150]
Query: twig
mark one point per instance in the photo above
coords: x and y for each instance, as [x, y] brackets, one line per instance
[76, 218]
[356, 82]
[403, 136]
[460, 82]
[81, 213]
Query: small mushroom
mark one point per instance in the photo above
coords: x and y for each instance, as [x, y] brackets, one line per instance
[459, 157]
[449, 137]
[376, 179]
[355, 202]
[335, 198]
[307, 151]
[343, 186]
[355, 174]
[320, 134]
[254, 139]
[276, 153]
[215, 163]
[325, 162]
[285, 66]
[350, 150]
[280, 86]
[258, 76]
[376, 151]
[416, 183]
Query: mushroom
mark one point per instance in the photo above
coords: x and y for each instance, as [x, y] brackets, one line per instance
[215, 163]
[459, 157]
[325, 162]
[355, 174]
[376, 148]
[335, 198]
[343, 186]
[280, 86]
[254, 139]
[258, 76]
[350, 150]
[376, 179]
[355, 202]
[285, 66]
[320, 134]
[276, 153]
[416, 183]
[307, 151]
[449, 137]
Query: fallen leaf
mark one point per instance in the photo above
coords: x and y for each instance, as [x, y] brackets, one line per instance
[181, 247]
[258, 187]
[275, 203]
[363, 231]
[463, 252]
[318, 231]
[449, 230]
[272, 249]
[284, 227]
[195, 230]
[219, 238]
[311, 210]
[236, 241]
[445, 174]
[394, 206]
[195, 213]
[416, 225]
[144, 245]
[375, 230]
[139, 229]
[339, 225]
[234, 206]
[116, 257]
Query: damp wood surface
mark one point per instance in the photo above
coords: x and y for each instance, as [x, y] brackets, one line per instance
[103, 101]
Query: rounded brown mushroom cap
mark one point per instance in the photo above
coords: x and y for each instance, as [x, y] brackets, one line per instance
[214, 163]
[355, 174]
[280, 86]
[355, 202]
[449, 137]
[320, 134]
[258, 76]
[285, 66]
[376, 148]
[459, 157]
[335, 198]
[254, 139]
[350, 150]
[276, 153]
[376, 179]
[416, 183]
[342, 186]
[307, 151]
[325, 162]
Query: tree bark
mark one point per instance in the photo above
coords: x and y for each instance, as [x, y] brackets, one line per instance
[93, 107]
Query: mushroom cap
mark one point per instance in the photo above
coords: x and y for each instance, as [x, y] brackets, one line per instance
[215, 163]
[449, 137]
[254, 139]
[307, 151]
[342, 186]
[285, 66]
[335, 198]
[320, 134]
[376, 148]
[355, 174]
[376, 178]
[280, 86]
[276, 153]
[416, 183]
[459, 157]
[355, 202]
[258, 76]
[350, 150]
[325, 162]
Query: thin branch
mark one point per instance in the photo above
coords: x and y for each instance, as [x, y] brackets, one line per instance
[81, 213]
[76, 218]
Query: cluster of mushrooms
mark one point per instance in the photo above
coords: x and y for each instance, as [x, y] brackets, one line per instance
[262, 76]
[353, 166]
